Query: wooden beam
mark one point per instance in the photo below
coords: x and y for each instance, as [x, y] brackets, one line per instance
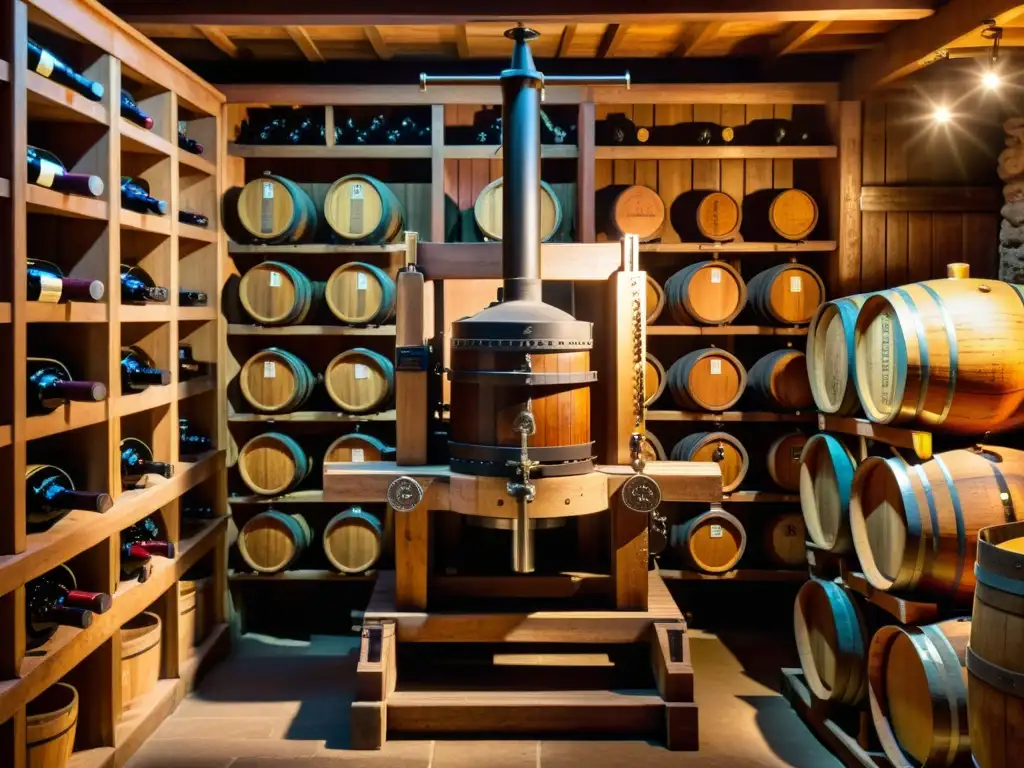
[377, 42]
[566, 42]
[216, 36]
[305, 43]
[462, 41]
[613, 37]
[695, 36]
[911, 47]
[931, 199]
[795, 37]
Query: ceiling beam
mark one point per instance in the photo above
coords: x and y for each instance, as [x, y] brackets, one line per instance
[462, 41]
[377, 42]
[614, 34]
[796, 37]
[305, 43]
[695, 37]
[216, 36]
[566, 42]
[911, 47]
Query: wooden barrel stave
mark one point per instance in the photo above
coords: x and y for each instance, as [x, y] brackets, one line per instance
[275, 293]
[362, 209]
[140, 656]
[353, 540]
[785, 540]
[276, 381]
[774, 214]
[654, 379]
[652, 449]
[783, 460]
[705, 293]
[832, 641]
[707, 379]
[704, 214]
[272, 463]
[720, 447]
[633, 210]
[275, 210]
[50, 724]
[360, 294]
[488, 211]
[826, 475]
[712, 542]
[357, 447]
[273, 541]
[655, 300]
[360, 380]
[831, 356]
[786, 294]
[778, 381]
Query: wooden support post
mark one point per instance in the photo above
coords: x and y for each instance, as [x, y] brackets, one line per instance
[167, 608]
[628, 556]
[376, 677]
[12, 639]
[98, 681]
[681, 726]
[626, 287]
[412, 545]
[670, 660]
[12, 740]
[412, 363]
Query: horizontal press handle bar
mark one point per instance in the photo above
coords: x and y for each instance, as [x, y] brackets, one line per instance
[426, 80]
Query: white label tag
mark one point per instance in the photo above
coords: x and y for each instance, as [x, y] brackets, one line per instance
[269, 369]
[716, 532]
[275, 279]
[795, 284]
[362, 371]
[360, 281]
[268, 190]
[356, 193]
[45, 65]
[716, 275]
[357, 455]
[47, 172]
[716, 367]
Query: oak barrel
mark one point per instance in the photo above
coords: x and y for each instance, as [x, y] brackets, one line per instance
[50, 725]
[916, 528]
[778, 381]
[707, 379]
[654, 379]
[995, 657]
[943, 352]
[362, 209]
[655, 300]
[705, 293]
[272, 541]
[276, 381]
[786, 294]
[826, 474]
[360, 380]
[652, 449]
[832, 640]
[918, 692]
[194, 608]
[630, 210]
[830, 355]
[704, 214]
[783, 460]
[785, 540]
[720, 447]
[712, 542]
[353, 540]
[773, 214]
[358, 447]
[272, 463]
[275, 293]
[487, 211]
[360, 294]
[140, 656]
[276, 210]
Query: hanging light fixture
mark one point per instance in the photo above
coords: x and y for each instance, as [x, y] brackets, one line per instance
[991, 79]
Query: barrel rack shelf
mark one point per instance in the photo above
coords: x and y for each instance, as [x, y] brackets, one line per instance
[916, 440]
[313, 416]
[716, 153]
[737, 574]
[723, 330]
[238, 329]
[727, 416]
[806, 246]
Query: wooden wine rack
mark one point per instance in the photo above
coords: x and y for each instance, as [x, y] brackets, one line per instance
[91, 238]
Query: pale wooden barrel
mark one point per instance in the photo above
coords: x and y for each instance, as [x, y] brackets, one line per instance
[362, 209]
[357, 447]
[275, 293]
[826, 475]
[630, 210]
[778, 381]
[487, 211]
[654, 379]
[140, 656]
[655, 300]
[783, 460]
[712, 542]
[276, 381]
[773, 214]
[917, 687]
[943, 353]
[720, 447]
[915, 528]
[276, 210]
[787, 294]
[832, 640]
[194, 606]
[706, 214]
[360, 380]
[272, 463]
[705, 293]
[353, 540]
[785, 540]
[652, 449]
[830, 355]
[707, 379]
[273, 541]
[360, 294]
[995, 657]
[50, 725]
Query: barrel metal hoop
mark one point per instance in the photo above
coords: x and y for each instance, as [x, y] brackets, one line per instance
[1008, 602]
[521, 378]
[913, 520]
[848, 312]
[945, 666]
[992, 576]
[922, 346]
[500, 469]
[954, 352]
[842, 466]
[877, 655]
[1000, 678]
[498, 453]
[845, 614]
[933, 511]
[961, 533]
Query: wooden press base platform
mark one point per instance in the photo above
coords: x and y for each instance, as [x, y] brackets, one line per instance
[567, 673]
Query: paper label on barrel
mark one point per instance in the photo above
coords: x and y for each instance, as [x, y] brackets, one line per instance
[795, 284]
[716, 532]
[716, 367]
[45, 65]
[269, 369]
[362, 371]
[267, 208]
[47, 172]
[716, 275]
[356, 192]
[358, 455]
[361, 281]
[268, 190]
[795, 452]
[275, 279]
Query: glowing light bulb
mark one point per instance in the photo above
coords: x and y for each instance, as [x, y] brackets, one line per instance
[941, 115]
[991, 80]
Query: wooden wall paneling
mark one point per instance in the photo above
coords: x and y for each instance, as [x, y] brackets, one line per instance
[646, 171]
[603, 176]
[674, 176]
[438, 171]
[897, 145]
[624, 171]
[873, 224]
[758, 172]
[782, 170]
[12, 639]
[919, 247]
[707, 173]
[842, 182]
[733, 175]
[585, 180]
[981, 236]
[170, 426]
[112, 194]
[947, 241]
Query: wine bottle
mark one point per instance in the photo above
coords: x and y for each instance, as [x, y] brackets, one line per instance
[50, 495]
[47, 284]
[46, 170]
[54, 600]
[191, 442]
[130, 111]
[188, 366]
[138, 287]
[189, 298]
[49, 66]
[135, 197]
[51, 386]
[195, 219]
[198, 512]
[619, 129]
[138, 371]
[692, 134]
[189, 145]
[137, 461]
[139, 543]
[768, 131]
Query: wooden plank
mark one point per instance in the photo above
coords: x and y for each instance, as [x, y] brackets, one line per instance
[903, 610]
[805, 246]
[803, 152]
[724, 416]
[629, 555]
[377, 42]
[795, 37]
[931, 199]
[612, 38]
[947, 241]
[673, 676]
[49, 100]
[919, 247]
[318, 152]
[738, 574]
[310, 417]
[758, 171]
[782, 169]
[559, 261]
[674, 176]
[844, 214]
[411, 413]
[565, 42]
[979, 243]
[376, 674]
[219, 38]
[873, 224]
[309, 330]
[586, 178]
[495, 152]
[732, 171]
[696, 37]
[916, 440]
[412, 545]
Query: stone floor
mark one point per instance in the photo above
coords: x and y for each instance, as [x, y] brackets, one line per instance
[283, 703]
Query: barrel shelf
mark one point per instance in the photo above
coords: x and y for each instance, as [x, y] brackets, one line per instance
[238, 329]
[51, 101]
[99, 757]
[761, 496]
[717, 153]
[145, 222]
[310, 496]
[494, 152]
[151, 397]
[313, 416]
[146, 313]
[71, 416]
[197, 314]
[71, 312]
[197, 162]
[916, 440]
[904, 610]
[303, 575]
[723, 330]
[141, 141]
[199, 234]
[320, 248]
[737, 574]
[323, 152]
[806, 246]
[194, 387]
[46, 201]
[759, 416]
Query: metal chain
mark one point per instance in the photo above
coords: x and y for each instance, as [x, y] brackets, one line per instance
[638, 357]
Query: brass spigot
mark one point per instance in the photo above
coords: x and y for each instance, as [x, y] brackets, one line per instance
[524, 492]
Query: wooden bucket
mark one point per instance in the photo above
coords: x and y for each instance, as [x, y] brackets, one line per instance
[778, 381]
[272, 464]
[720, 447]
[712, 542]
[783, 460]
[705, 293]
[193, 614]
[785, 540]
[707, 379]
[632, 210]
[276, 210]
[654, 379]
[826, 474]
[353, 540]
[916, 528]
[918, 692]
[943, 352]
[272, 541]
[360, 380]
[275, 293]
[52, 718]
[487, 211]
[706, 215]
[276, 381]
[358, 447]
[655, 300]
[832, 641]
[830, 355]
[652, 449]
[995, 657]
[773, 214]
[360, 294]
[140, 656]
[362, 209]
[787, 294]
